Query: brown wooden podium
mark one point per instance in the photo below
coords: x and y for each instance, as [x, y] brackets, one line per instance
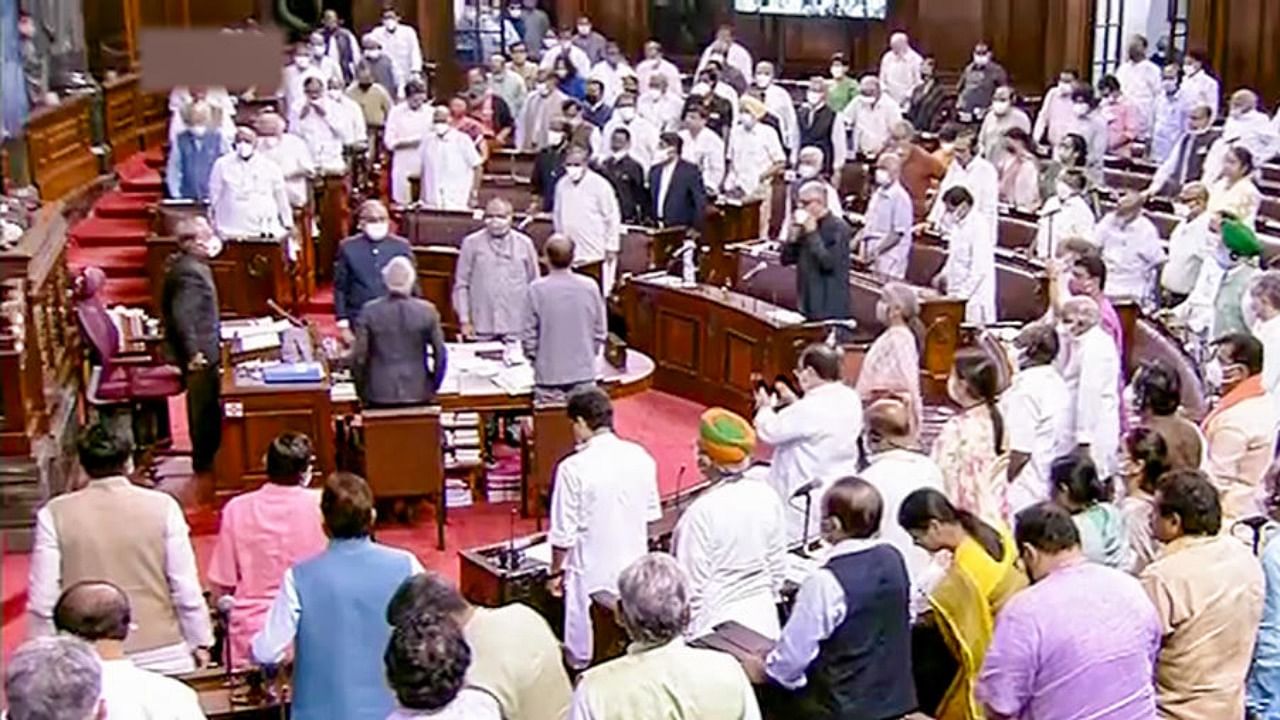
[247, 273]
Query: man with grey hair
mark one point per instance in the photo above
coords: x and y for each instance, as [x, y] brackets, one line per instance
[399, 355]
[660, 675]
[872, 115]
[819, 248]
[247, 195]
[900, 69]
[779, 102]
[1090, 369]
[54, 678]
[586, 211]
[491, 285]
[822, 127]
[1247, 127]
[1264, 298]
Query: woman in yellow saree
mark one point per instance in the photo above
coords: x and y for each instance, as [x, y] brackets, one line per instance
[984, 573]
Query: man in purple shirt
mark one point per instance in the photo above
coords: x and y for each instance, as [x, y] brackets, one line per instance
[1079, 644]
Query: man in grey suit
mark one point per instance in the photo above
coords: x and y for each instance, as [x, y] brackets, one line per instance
[189, 307]
[399, 355]
[564, 327]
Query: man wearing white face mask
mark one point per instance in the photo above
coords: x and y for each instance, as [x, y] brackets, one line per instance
[586, 212]
[703, 148]
[451, 165]
[321, 60]
[1246, 127]
[841, 89]
[1140, 82]
[1056, 112]
[1169, 117]
[1090, 366]
[1241, 430]
[491, 285]
[978, 84]
[1187, 160]
[1190, 244]
[296, 74]
[900, 69]
[408, 124]
[1216, 305]
[290, 153]
[1198, 86]
[543, 106]
[885, 239]
[322, 126]
[822, 127]
[1065, 215]
[357, 273]
[734, 52]
[808, 169]
[970, 269]
[643, 133]
[247, 195]
[779, 102]
[653, 65]
[1089, 124]
[351, 123]
[979, 177]
[1002, 118]
[192, 155]
[1264, 322]
[401, 45]
[872, 115]
[1131, 248]
[755, 158]
[659, 104]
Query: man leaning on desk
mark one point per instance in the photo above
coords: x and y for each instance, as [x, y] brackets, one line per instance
[399, 355]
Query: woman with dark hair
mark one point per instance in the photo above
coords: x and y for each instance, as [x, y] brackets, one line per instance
[1077, 488]
[970, 442]
[1069, 153]
[1232, 192]
[1146, 460]
[1019, 171]
[891, 367]
[1157, 397]
[568, 79]
[983, 574]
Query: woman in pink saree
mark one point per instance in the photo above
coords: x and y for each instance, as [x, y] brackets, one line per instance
[892, 365]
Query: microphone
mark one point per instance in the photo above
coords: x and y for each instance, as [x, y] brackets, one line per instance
[679, 486]
[225, 604]
[806, 488]
[753, 272]
[510, 560]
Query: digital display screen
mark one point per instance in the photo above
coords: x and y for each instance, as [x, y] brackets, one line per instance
[857, 9]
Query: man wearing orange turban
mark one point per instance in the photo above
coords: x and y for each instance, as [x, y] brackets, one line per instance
[732, 540]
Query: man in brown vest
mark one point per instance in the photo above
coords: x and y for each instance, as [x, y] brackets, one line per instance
[133, 537]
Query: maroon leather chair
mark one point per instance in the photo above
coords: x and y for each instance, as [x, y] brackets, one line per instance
[121, 382]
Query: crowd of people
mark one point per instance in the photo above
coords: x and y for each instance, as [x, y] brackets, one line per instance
[1071, 543]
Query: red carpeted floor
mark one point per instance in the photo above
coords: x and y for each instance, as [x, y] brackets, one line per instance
[113, 237]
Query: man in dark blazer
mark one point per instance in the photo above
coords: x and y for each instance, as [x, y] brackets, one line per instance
[399, 355]
[189, 308]
[627, 177]
[679, 198]
[357, 273]
[819, 248]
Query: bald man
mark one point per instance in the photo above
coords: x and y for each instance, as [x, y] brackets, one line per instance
[399, 355]
[564, 326]
[872, 115]
[357, 273]
[247, 196]
[1247, 127]
[491, 284]
[900, 69]
[98, 612]
[884, 242]
[897, 469]
[848, 640]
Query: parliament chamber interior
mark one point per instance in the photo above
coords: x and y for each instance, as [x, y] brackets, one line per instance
[463, 307]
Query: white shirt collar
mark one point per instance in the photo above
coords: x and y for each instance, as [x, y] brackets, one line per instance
[851, 546]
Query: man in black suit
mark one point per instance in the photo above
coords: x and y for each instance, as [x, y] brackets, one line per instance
[675, 185]
[189, 307]
[399, 355]
[357, 273]
[627, 178]
[819, 248]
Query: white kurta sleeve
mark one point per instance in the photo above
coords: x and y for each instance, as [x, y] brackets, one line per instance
[1090, 393]
[566, 509]
[612, 215]
[44, 579]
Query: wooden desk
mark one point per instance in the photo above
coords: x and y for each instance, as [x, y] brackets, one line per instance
[253, 415]
[333, 195]
[247, 702]
[710, 343]
[1022, 286]
[60, 142]
[941, 316]
[122, 115]
[247, 274]
[727, 223]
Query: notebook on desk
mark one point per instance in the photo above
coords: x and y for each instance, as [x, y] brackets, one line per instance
[736, 639]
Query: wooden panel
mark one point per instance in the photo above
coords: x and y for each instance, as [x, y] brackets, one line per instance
[253, 416]
[402, 453]
[121, 115]
[741, 358]
[153, 123]
[247, 274]
[59, 146]
[436, 266]
[1240, 39]
[679, 343]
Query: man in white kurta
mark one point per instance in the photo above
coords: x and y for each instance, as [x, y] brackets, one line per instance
[1131, 247]
[1141, 83]
[731, 541]
[1065, 215]
[450, 163]
[975, 174]
[322, 125]
[246, 193]
[1199, 87]
[407, 124]
[970, 269]
[610, 72]
[660, 103]
[586, 211]
[289, 153]
[543, 106]
[351, 123]
[1090, 369]
[755, 157]
[814, 438]
[1036, 415]
[295, 75]
[900, 69]
[400, 43]
[604, 496]
[644, 134]
[780, 104]
[1247, 127]
[654, 64]
[222, 109]
[872, 115]
[704, 148]
[735, 53]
